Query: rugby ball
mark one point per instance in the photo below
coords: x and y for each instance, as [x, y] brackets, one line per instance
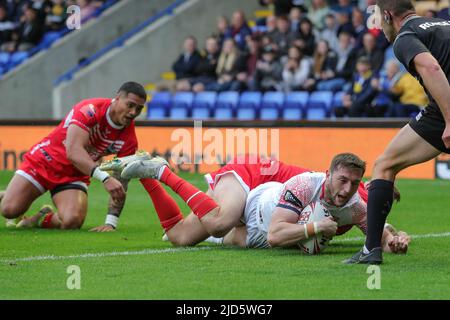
[312, 213]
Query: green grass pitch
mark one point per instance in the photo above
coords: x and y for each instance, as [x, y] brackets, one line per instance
[133, 262]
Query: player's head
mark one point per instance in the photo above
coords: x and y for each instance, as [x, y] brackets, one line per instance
[343, 178]
[390, 10]
[128, 103]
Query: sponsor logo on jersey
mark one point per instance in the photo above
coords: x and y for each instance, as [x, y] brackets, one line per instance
[289, 197]
[427, 25]
[88, 110]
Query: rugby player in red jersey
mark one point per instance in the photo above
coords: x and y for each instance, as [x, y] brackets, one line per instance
[64, 161]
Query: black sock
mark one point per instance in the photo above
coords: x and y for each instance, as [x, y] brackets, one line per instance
[378, 207]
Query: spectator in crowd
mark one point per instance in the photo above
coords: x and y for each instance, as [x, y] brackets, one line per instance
[268, 74]
[324, 65]
[370, 50]
[240, 29]
[346, 60]
[357, 101]
[283, 7]
[271, 26]
[206, 68]
[317, 12]
[57, 16]
[87, 8]
[282, 37]
[305, 38]
[186, 64]
[295, 16]
[408, 96]
[343, 5]
[7, 26]
[330, 32]
[295, 71]
[251, 57]
[223, 30]
[229, 65]
[344, 23]
[359, 27]
[444, 13]
[28, 34]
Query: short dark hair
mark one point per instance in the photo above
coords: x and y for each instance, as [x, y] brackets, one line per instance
[133, 87]
[348, 160]
[398, 7]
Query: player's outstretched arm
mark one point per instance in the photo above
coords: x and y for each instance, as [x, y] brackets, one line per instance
[393, 241]
[114, 209]
[437, 84]
[284, 231]
[76, 142]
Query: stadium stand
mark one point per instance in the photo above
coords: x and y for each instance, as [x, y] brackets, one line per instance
[12, 59]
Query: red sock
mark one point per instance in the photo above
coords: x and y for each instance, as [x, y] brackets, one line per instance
[198, 201]
[166, 208]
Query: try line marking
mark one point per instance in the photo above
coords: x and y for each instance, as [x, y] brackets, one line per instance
[174, 250]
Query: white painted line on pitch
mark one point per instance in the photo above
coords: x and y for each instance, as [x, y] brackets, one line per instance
[413, 236]
[175, 250]
[105, 254]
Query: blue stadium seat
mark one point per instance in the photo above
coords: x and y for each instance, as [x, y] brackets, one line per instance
[319, 105]
[223, 113]
[49, 38]
[295, 105]
[4, 58]
[271, 104]
[205, 99]
[227, 99]
[200, 113]
[156, 113]
[182, 99]
[292, 114]
[202, 105]
[246, 113]
[178, 113]
[337, 99]
[296, 99]
[250, 100]
[269, 113]
[161, 102]
[18, 57]
[272, 100]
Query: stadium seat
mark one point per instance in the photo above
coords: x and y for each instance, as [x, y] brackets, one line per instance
[250, 100]
[269, 113]
[227, 99]
[319, 105]
[161, 102]
[205, 99]
[272, 100]
[178, 113]
[4, 58]
[200, 113]
[49, 38]
[246, 113]
[223, 114]
[18, 57]
[182, 99]
[202, 105]
[337, 101]
[156, 113]
[292, 114]
[294, 105]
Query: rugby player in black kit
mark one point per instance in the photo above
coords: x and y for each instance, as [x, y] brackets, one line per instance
[423, 46]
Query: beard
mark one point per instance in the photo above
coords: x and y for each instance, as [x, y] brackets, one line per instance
[389, 32]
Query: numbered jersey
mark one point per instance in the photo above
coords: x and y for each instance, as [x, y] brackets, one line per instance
[105, 137]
